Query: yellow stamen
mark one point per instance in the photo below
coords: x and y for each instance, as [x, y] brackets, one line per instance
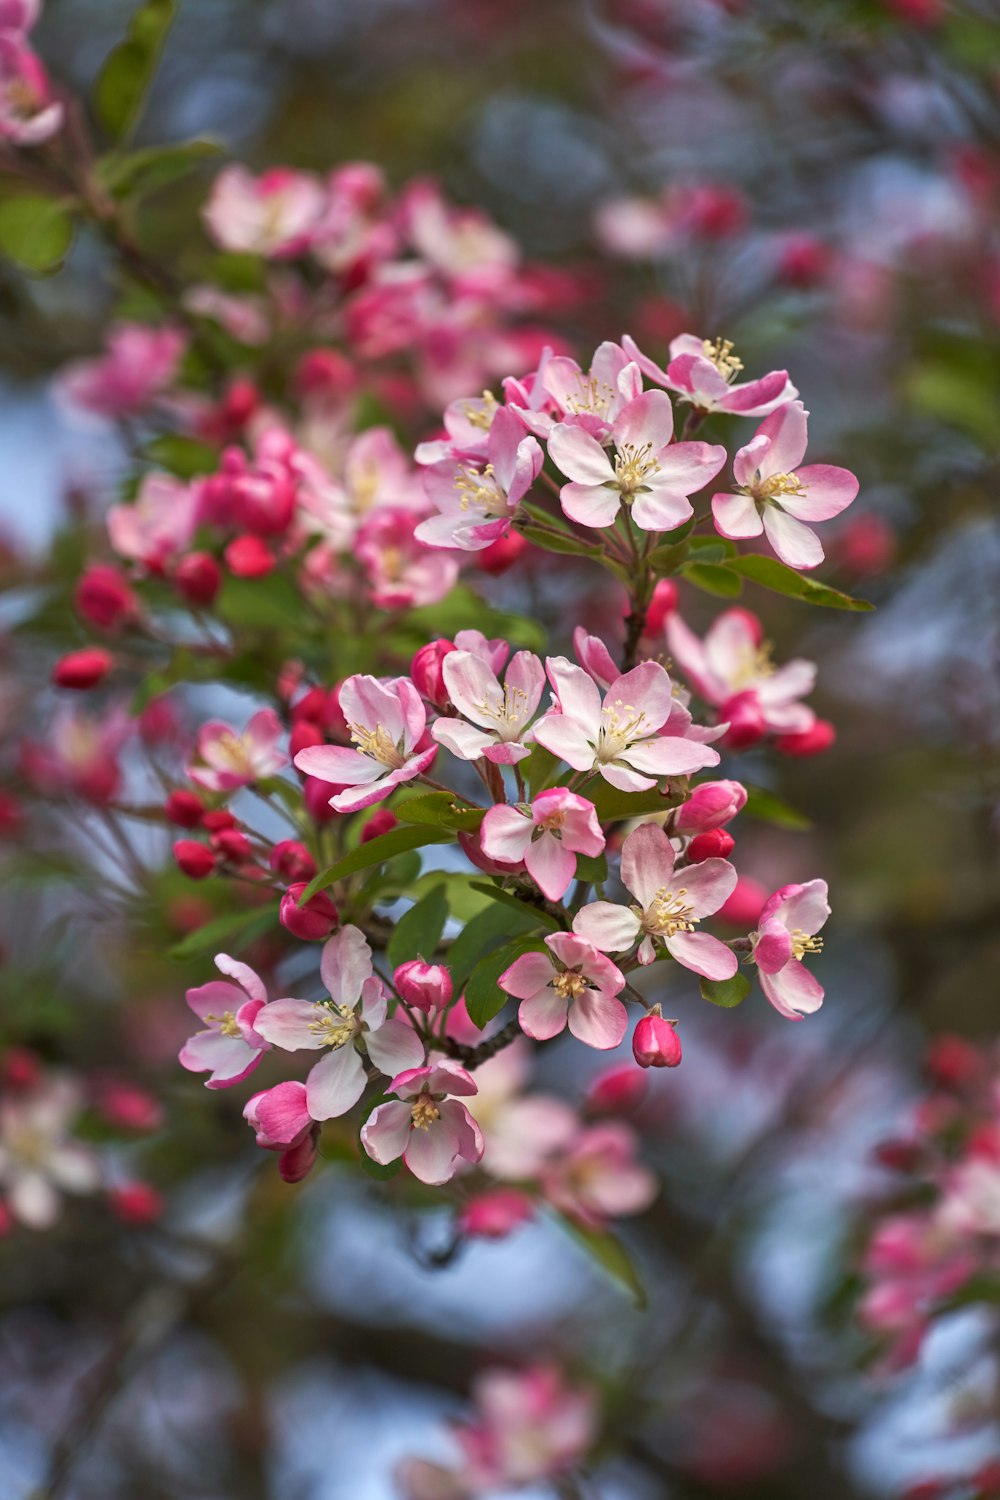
[720, 352]
[669, 913]
[424, 1112]
[802, 944]
[227, 1023]
[570, 985]
[632, 464]
[377, 743]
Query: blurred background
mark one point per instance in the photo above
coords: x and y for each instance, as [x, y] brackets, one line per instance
[820, 183]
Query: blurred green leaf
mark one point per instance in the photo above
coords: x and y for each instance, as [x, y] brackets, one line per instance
[132, 174]
[607, 1252]
[484, 998]
[123, 82]
[36, 231]
[770, 808]
[726, 992]
[418, 931]
[713, 578]
[180, 455]
[243, 926]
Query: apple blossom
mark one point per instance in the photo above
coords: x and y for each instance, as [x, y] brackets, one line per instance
[655, 1043]
[230, 1047]
[402, 574]
[591, 401]
[647, 472]
[619, 739]
[429, 1128]
[732, 668]
[158, 525]
[476, 501]
[495, 719]
[39, 1157]
[547, 835]
[234, 758]
[776, 497]
[786, 932]
[669, 905]
[387, 722]
[703, 372]
[572, 983]
[710, 805]
[139, 363]
[29, 114]
[598, 1178]
[425, 986]
[272, 215]
[354, 1017]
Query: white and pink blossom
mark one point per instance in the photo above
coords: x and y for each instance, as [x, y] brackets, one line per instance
[731, 668]
[476, 500]
[138, 364]
[598, 1178]
[546, 835]
[786, 932]
[573, 983]
[387, 721]
[233, 758]
[271, 215]
[426, 1124]
[158, 525]
[704, 373]
[495, 718]
[230, 1046]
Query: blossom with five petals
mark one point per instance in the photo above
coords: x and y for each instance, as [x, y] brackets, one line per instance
[233, 759]
[733, 661]
[496, 718]
[703, 372]
[230, 1047]
[431, 1130]
[476, 501]
[571, 984]
[387, 722]
[547, 836]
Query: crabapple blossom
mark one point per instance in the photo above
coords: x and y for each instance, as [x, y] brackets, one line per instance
[402, 574]
[591, 401]
[425, 986]
[476, 501]
[272, 215]
[655, 1043]
[39, 1158]
[80, 756]
[314, 920]
[547, 835]
[387, 722]
[572, 983]
[710, 805]
[647, 472]
[668, 906]
[158, 525]
[426, 1125]
[598, 1178]
[703, 372]
[495, 719]
[138, 364]
[776, 497]
[282, 1122]
[619, 738]
[731, 668]
[355, 1016]
[29, 114]
[786, 932]
[230, 1047]
[234, 758]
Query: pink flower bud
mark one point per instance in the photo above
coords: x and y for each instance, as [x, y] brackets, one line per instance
[292, 861]
[502, 554]
[804, 261]
[198, 578]
[426, 671]
[810, 742]
[104, 597]
[655, 1043]
[715, 844]
[425, 986]
[710, 805]
[129, 1107]
[747, 723]
[21, 1069]
[316, 795]
[324, 372]
[380, 822]
[313, 922]
[311, 706]
[82, 669]
[195, 860]
[249, 557]
[234, 846]
[953, 1063]
[304, 735]
[663, 603]
[493, 1215]
[218, 818]
[744, 905]
[617, 1090]
[136, 1203]
[184, 808]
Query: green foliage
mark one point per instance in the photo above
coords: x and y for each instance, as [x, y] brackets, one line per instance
[726, 992]
[614, 806]
[124, 80]
[181, 455]
[772, 574]
[237, 927]
[484, 998]
[375, 852]
[768, 807]
[713, 578]
[36, 231]
[606, 1251]
[135, 173]
[418, 931]
[439, 810]
[482, 933]
[539, 916]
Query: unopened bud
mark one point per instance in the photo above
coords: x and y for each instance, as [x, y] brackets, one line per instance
[425, 986]
[194, 859]
[82, 669]
[655, 1043]
[716, 844]
[312, 922]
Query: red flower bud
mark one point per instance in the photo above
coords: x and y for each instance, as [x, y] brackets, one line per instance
[716, 844]
[136, 1203]
[198, 578]
[427, 674]
[953, 1063]
[313, 922]
[20, 1069]
[311, 706]
[128, 1107]
[292, 861]
[104, 597]
[743, 906]
[304, 734]
[810, 742]
[234, 846]
[493, 1214]
[655, 1043]
[617, 1090]
[218, 818]
[82, 669]
[316, 795]
[195, 860]
[710, 805]
[501, 554]
[184, 808]
[249, 557]
[380, 822]
[424, 986]
[663, 603]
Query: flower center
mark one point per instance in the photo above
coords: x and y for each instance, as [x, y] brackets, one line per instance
[669, 913]
[754, 664]
[227, 1023]
[802, 943]
[632, 463]
[777, 484]
[622, 726]
[424, 1112]
[481, 416]
[377, 744]
[480, 491]
[334, 1025]
[230, 749]
[594, 397]
[507, 710]
[720, 352]
[569, 985]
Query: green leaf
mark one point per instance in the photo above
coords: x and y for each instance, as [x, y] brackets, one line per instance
[263, 604]
[480, 935]
[772, 574]
[397, 841]
[609, 1254]
[439, 810]
[35, 231]
[614, 806]
[538, 915]
[463, 609]
[713, 578]
[770, 808]
[180, 455]
[726, 992]
[242, 925]
[418, 931]
[124, 80]
[140, 172]
[712, 548]
[592, 868]
[537, 768]
[484, 998]
[552, 539]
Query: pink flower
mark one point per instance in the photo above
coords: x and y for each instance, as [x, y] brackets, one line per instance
[81, 756]
[387, 722]
[352, 1021]
[595, 658]
[786, 932]
[669, 906]
[158, 525]
[573, 982]
[495, 718]
[646, 472]
[704, 374]
[428, 1128]
[655, 1043]
[530, 1426]
[710, 805]
[233, 758]
[425, 986]
[402, 574]
[733, 664]
[138, 364]
[598, 1178]
[459, 242]
[39, 1158]
[495, 1214]
[777, 497]
[272, 215]
[230, 1047]
[28, 113]
[591, 401]
[547, 836]
[282, 1123]
[620, 738]
[477, 501]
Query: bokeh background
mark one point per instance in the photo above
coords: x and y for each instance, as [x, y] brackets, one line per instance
[830, 171]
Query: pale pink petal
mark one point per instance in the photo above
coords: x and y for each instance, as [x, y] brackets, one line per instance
[292, 1024]
[579, 456]
[215, 998]
[748, 460]
[463, 740]
[787, 432]
[598, 1020]
[687, 467]
[394, 1047]
[471, 684]
[525, 677]
[543, 1014]
[795, 544]
[668, 756]
[506, 834]
[661, 510]
[646, 688]
[611, 928]
[708, 885]
[793, 991]
[590, 504]
[736, 516]
[337, 764]
[807, 908]
[703, 953]
[550, 865]
[228, 1058]
[527, 975]
[386, 1131]
[567, 739]
[335, 1084]
[647, 419]
[345, 964]
[366, 701]
[829, 490]
[647, 863]
[433, 1155]
[619, 775]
